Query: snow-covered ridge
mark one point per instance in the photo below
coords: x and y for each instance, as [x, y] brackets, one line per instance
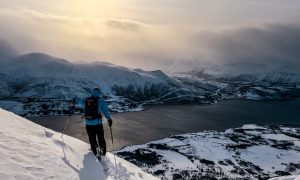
[251, 72]
[41, 75]
[223, 88]
[30, 151]
[291, 177]
[38, 84]
[249, 152]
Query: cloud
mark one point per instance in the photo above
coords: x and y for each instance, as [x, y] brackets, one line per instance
[124, 24]
[60, 20]
[272, 44]
[133, 43]
[121, 24]
[84, 38]
[266, 46]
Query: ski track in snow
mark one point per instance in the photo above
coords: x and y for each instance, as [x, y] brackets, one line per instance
[30, 151]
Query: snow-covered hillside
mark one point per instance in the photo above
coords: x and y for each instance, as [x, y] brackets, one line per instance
[240, 80]
[30, 151]
[41, 75]
[40, 84]
[224, 89]
[242, 72]
[292, 177]
[249, 152]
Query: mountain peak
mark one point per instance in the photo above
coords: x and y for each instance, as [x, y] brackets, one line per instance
[37, 56]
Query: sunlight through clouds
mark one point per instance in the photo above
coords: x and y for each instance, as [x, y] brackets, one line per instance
[141, 33]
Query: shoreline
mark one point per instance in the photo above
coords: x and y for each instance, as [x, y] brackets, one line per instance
[160, 121]
[144, 107]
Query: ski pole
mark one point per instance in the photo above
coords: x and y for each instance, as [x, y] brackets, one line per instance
[66, 123]
[112, 141]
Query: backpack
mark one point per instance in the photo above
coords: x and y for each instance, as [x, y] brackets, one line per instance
[91, 108]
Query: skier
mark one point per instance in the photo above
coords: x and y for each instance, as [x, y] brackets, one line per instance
[95, 106]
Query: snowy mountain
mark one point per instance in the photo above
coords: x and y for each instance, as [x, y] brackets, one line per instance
[39, 84]
[292, 177]
[249, 152]
[44, 76]
[30, 151]
[45, 85]
[217, 89]
[240, 80]
[240, 72]
[41, 75]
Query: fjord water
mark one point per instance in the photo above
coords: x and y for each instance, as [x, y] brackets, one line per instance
[160, 121]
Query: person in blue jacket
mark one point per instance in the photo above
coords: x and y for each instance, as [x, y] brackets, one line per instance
[93, 124]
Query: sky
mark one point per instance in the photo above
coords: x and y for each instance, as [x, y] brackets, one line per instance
[156, 34]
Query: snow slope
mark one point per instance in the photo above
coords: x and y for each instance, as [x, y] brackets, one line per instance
[41, 75]
[40, 84]
[249, 152]
[44, 84]
[241, 87]
[295, 177]
[251, 72]
[30, 151]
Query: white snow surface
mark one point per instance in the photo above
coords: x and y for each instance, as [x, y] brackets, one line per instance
[40, 75]
[249, 152]
[295, 177]
[248, 71]
[30, 151]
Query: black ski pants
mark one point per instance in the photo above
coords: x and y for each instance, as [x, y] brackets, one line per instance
[95, 132]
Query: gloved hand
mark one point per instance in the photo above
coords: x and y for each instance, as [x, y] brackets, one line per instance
[110, 122]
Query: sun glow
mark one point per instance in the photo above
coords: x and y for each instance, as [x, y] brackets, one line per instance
[92, 8]
[133, 32]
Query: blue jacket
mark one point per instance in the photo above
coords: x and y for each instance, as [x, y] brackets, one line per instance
[102, 108]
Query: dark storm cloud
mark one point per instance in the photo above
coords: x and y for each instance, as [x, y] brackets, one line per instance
[277, 44]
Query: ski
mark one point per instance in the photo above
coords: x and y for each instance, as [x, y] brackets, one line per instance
[101, 160]
[104, 164]
[98, 155]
